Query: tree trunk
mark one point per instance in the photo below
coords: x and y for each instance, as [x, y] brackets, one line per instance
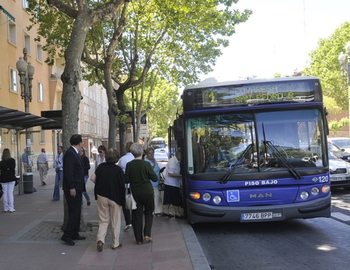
[71, 95]
[112, 108]
[122, 124]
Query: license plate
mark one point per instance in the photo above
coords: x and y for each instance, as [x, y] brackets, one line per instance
[256, 216]
[338, 178]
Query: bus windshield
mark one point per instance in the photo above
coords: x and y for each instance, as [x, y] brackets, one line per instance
[251, 142]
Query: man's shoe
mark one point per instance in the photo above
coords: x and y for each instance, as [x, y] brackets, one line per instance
[68, 240]
[88, 203]
[127, 227]
[43, 184]
[99, 245]
[180, 217]
[79, 238]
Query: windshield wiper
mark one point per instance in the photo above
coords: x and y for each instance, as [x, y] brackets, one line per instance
[230, 172]
[285, 162]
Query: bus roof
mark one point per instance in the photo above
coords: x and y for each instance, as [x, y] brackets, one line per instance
[211, 82]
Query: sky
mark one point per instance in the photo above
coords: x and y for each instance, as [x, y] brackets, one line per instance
[278, 37]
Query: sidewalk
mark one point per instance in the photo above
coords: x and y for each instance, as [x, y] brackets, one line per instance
[30, 239]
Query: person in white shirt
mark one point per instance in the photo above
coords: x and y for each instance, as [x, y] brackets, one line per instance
[43, 166]
[172, 184]
[122, 164]
[59, 174]
[101, 156]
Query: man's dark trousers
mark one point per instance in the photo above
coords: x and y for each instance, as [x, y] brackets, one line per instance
[74, 212]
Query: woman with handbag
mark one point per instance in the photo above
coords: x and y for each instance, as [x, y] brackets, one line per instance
[158, 204]
[110, 195]
[8, 180]
[139, 173]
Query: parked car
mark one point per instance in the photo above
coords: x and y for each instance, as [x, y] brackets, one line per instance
[161, 154]
[339, 172]
[341, 142]
[340, 153]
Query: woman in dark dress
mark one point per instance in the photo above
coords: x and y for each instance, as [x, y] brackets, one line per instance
[8, 180]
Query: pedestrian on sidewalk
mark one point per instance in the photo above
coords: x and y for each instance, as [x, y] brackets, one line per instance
[73, 187]
[58, 163]
[101, 156]
[43, 166]
[110, 195]
[158, 204]
[139, 173]
[172, 184]
[122, 164]
[8, 180]
[86, 164]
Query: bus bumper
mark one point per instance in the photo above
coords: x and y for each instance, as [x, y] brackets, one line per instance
[199, 213]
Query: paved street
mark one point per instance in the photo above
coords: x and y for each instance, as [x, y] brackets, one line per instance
[30, 239]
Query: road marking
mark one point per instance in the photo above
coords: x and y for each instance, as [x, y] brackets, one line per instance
[340, 216]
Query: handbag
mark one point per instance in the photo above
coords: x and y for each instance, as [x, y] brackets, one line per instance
[130, 202]
[161, 182]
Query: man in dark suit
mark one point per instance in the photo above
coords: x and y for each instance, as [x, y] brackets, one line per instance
[73, 187]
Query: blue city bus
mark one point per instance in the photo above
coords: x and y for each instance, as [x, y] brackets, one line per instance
[254, 150]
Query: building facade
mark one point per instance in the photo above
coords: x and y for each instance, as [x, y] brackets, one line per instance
[46, 88]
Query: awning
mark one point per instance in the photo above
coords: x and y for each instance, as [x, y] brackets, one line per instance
[14, 119]
[7, 13]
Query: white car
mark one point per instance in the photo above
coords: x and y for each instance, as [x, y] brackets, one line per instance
[339, 172]
[341, 142]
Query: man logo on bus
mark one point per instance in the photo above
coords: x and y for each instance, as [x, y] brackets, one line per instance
[260, 195]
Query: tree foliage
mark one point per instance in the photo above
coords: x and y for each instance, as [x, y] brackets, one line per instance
[324, 64]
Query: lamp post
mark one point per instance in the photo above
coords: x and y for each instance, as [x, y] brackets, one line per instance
[26, 72]
[342, 58]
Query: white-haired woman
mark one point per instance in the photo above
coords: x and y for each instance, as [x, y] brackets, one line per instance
[138, 173]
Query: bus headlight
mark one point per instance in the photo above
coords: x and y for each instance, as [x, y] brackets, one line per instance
[326, 188]
[304, 195]
[315, 191]
[206, 197]
[195, 195]
[217, 199]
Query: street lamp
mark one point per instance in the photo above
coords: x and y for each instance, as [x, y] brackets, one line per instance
[342, 58]
[26, 72]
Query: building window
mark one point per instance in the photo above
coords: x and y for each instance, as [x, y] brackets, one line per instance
[39, 52]
[27, 43]
[31, 135]
[13, 82]
[42, 136]
[12, 38]
[13, 136]
[25, 4]
[40, 92]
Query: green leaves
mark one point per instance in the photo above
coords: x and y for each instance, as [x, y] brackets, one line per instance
[325, 65]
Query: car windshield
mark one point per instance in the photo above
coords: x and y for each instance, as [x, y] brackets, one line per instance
[342, 142]
[333, 147]
[252, 143]
[331, 155]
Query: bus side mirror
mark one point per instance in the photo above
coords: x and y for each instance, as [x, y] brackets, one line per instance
[178, 129]
[327, 127]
